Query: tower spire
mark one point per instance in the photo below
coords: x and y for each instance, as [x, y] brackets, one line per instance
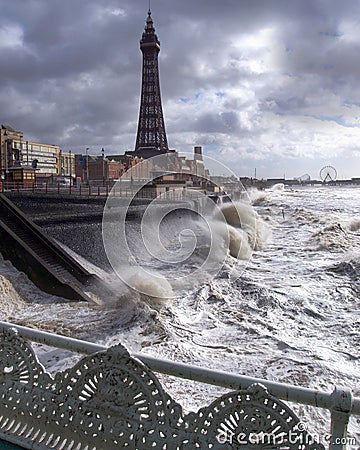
[151, 127]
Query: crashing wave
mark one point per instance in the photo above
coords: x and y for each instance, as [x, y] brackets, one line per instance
[242, 216]
[340, 236]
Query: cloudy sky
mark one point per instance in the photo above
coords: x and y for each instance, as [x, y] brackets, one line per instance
[265, 85]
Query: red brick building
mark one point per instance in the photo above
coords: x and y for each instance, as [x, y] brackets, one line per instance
[97, 168]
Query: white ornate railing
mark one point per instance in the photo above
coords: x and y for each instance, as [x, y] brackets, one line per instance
[111, 400]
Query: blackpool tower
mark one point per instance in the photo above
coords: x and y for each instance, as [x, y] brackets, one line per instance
[151, 135]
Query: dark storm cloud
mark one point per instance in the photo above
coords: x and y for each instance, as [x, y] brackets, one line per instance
[249, 78]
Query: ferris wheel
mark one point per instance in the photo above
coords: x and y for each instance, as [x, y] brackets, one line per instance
[328, 173]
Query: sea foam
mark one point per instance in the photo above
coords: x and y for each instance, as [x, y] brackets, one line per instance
[242, 216]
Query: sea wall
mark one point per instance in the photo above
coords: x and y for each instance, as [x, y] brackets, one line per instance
[73, 220]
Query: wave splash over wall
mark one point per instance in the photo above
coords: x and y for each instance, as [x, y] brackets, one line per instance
[179, 241]
[179, 247]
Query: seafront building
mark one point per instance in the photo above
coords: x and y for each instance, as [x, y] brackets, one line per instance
[23, 161]
[97, 169]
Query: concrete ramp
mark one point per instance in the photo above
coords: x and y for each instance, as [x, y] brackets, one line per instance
[47, 265]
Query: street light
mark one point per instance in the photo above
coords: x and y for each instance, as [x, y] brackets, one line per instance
[5, 153]
[103, 168]
[70, 166]
[87, 165]
[2, 153]
[61, 169]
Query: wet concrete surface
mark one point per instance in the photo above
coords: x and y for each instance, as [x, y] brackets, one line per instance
[76, 221]
[73, 221]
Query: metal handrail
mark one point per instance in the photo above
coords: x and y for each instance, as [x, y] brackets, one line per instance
[86, 190]
[284, 391]
[340, 402]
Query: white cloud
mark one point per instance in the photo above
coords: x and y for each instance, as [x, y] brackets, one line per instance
[11, 36]
[349, 31]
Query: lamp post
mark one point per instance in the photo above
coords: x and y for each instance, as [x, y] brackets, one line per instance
[17, 156]
[70, 174]
[87, 165]
[27, 153]
[103, 166]
[5, 168]
[2, 154]
[60, 170]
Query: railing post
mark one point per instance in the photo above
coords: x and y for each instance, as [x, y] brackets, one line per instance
[340, 413]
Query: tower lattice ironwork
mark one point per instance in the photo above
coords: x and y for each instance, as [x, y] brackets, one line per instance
[151, 127]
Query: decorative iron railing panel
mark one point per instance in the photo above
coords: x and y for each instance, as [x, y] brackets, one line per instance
[111, 400]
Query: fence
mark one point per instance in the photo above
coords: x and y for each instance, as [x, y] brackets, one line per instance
[110, 400]
[58, 188]
[119, 190]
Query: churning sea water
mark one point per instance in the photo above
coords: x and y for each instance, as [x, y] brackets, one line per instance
[276, 295]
